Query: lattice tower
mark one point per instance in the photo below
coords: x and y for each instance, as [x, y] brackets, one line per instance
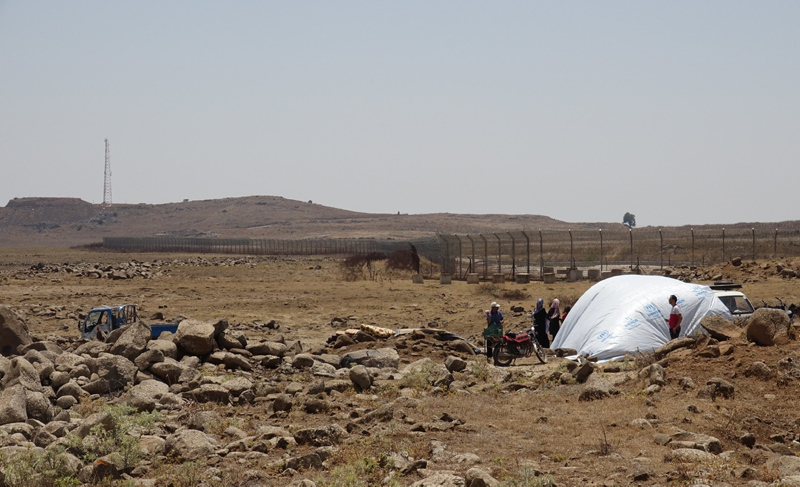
[107, 178]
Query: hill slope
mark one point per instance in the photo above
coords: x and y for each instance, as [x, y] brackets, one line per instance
[71, 221]
[61, 222]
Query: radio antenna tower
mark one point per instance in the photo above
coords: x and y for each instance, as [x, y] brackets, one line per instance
[107, 178]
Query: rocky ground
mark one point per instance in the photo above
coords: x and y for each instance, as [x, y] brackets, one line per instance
[249, 392]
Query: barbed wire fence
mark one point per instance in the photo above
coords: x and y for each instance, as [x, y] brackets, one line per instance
[427, 247]
[536, 253]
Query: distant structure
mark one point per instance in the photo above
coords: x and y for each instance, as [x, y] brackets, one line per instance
[107, 178]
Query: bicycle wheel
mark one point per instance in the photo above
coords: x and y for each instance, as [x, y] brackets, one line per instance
[501, 356]
[539, 351]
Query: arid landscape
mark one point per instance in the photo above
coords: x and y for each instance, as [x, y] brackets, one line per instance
[283, 407]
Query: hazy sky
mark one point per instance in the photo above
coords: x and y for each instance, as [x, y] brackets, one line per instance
[679, 112]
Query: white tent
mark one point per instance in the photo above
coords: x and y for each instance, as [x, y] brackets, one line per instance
[625, 314]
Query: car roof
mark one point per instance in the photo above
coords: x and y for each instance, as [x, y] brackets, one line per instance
[720, 293]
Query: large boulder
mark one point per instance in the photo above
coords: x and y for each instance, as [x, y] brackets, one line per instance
[13, 332]
[361, 378]
[132, 341]
[210, 393]
[719, 328]
[478, 477]
[190, 445]
[766, 325]
[230, 339]
[196, 337]
[145, 395]
[380, 358]
[169, 370]
[13, 405]
[329, 435]
[166, 347]
[38, 406]
[697, 441]
[275, 349]
[117, 370]
[23, 373]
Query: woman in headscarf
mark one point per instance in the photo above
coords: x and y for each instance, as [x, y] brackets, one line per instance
[554, 315]
[539, 316]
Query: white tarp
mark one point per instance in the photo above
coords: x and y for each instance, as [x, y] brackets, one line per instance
[625, 314]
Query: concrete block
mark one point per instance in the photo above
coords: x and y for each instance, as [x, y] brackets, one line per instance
[473, 278]
[574, 275]
[593, 274]
[445, 279]
[523, 278]
[549, 278]
[605, 274]
[548, 270]
[617, 272]
[417, 279]
[498, 278]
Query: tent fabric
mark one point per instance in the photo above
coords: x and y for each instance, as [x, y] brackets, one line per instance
[626, 314]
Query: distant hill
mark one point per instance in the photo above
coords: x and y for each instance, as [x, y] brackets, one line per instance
[51, 222]
[61, 222]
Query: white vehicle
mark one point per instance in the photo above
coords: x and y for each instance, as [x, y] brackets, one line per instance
[736, 302]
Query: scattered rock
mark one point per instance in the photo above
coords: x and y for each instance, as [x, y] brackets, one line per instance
[361, 378]
[719, 328]
[759, 370]
[597, 388]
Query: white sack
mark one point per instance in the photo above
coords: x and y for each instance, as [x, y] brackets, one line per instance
[625, 314]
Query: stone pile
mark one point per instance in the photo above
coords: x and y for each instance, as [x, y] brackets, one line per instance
[126, 270]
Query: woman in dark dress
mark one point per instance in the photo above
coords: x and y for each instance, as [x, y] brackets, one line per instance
[539, 316]
[554, 315]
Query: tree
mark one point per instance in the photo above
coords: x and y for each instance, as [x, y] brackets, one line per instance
[629, 219]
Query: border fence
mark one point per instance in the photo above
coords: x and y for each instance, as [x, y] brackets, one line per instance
[515, 252]
[535, 252]
[428, 247]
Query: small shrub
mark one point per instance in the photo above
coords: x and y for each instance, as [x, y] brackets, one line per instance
[604, 446]
[28, 469]
[643, 359]
[515, 295]
[359, 266]
[121, 440]
[490, 289]
[527, 478]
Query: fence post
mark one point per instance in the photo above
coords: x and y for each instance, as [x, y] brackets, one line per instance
[513, 257]
[485, 256]
[472, 262]
[661, 248]
[541, 255]
[775, 245]
[460, 256]
[527, 251]
[723, 245]
[499, 254]
[692, 247]
[601, 250]
[571, 254]
[754, 243]
[630, 232]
